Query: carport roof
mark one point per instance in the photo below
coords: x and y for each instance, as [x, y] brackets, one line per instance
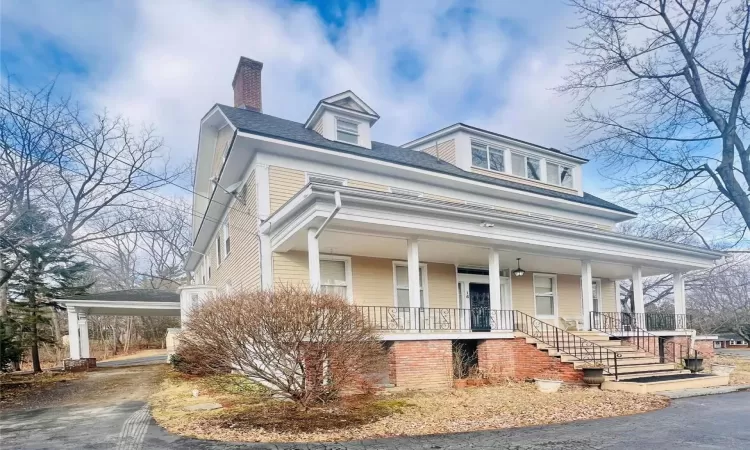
[131, 295]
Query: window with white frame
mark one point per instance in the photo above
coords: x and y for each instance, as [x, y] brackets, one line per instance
[335, 276]
[218, 250]
[526, 166]
[559, 175]
[486, 156]
[347, 131]
[401, 276]
[225, 234]
[596, 286]
[545, 295]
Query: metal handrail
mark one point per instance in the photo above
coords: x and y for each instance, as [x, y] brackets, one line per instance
[630, 325]
[568, 343]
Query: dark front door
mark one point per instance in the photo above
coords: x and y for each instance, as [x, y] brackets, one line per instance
[479, 304]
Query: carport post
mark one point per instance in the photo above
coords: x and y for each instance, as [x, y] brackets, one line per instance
[73, 342]
[83, 332]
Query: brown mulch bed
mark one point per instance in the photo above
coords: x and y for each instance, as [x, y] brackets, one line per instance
[251, 415]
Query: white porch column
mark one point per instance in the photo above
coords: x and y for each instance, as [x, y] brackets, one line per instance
[412, 258]
[680, 308]
[83, 332]
[313, 259]
[495, 295]
[73, 341]
[587, 292]
[638, 297]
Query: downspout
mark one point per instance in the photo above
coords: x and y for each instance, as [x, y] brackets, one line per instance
[337, 201]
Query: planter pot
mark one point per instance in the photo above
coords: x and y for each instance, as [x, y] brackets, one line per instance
[722, 370]
[460, 383]
[694, 365]
[593, 376]
[548, 386]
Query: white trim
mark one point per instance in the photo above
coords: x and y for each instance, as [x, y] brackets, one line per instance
[347, 273]
[333, 179]
[424, 280]
[225, 234]
[263, 191]
[555, 298]
[597, 294]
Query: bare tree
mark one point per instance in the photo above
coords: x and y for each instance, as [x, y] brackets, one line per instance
[722, 301]
[309, 347]
[662, 87]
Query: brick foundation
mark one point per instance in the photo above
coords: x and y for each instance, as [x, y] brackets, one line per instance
[420, 364]
[79, 365]
[516, 359]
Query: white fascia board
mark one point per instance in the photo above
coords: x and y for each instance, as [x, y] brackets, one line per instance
[353, 96]
[119, 304]
[440, 218]
[450, 180]
[510, 142]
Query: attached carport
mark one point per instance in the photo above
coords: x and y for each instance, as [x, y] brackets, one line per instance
[129, 302]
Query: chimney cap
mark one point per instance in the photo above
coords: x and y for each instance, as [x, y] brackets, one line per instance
[246, 62]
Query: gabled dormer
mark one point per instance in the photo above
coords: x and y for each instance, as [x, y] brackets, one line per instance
[343, 117]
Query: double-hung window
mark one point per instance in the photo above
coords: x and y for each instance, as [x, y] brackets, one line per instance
[218, 250]
[596, 286]
[347, 131]
[335, 276]
[526, 166]
[225, 234]
[559, 175]
[545, 295]
[486, 156]
[401, 275]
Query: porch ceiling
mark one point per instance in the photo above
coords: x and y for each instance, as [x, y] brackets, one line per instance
[378, 224]
[341, 242]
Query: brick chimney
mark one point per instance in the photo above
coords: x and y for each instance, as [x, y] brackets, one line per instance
[246, 85]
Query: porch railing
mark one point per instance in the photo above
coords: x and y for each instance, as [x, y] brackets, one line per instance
[628, 327]
[389, 318]
[647, 321]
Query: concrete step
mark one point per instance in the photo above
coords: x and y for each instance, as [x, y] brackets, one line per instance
[656, 373]
[645, 368]
[666, 385]
[578, 344]
[623, 352]
[625, 358]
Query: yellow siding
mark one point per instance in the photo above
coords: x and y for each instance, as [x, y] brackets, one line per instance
[441, 285]
[569, 296]
[284, 184]
[290, 268]
[368, 186]
[444, 199]
[372, 281]
[445, 151]
[609, 303]
[223, 138]
[241, 267]
[522, 289]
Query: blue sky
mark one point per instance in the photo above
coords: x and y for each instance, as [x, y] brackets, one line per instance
[422, 65]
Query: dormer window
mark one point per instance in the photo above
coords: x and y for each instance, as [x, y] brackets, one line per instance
[347, 131]
[559, 175]
[526, 166]
[486, 156]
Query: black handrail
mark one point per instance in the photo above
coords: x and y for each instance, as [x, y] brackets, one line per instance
[565, 342]
[629, 325]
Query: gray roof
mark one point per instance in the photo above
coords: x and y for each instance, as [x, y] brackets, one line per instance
[270, 126]
[131, 295]
[730, 337]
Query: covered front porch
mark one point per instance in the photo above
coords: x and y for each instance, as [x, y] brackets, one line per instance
[417, 265]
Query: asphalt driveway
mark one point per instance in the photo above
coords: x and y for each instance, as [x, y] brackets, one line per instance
[715, 422]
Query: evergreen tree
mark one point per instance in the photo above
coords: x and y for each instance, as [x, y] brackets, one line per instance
[48, 270]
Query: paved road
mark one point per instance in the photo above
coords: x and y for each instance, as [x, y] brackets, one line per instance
[715, 422]
[160, 358]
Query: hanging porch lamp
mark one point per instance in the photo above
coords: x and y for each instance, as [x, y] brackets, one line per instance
[519, 272]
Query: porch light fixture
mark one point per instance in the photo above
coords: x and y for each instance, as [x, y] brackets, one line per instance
[519, 272]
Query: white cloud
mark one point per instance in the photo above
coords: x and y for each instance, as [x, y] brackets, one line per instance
[167, 62]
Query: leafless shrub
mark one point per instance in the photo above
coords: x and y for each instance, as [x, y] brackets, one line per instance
[309, 347]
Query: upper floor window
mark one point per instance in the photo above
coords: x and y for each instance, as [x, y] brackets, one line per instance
[225, 233]
[347, 131]
[218, 250]
[526, 166]
[487, 157]
[559, 175]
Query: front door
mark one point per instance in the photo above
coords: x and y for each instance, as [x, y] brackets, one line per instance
[479, 305]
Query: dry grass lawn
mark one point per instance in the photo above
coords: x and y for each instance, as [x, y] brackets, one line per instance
[249, 415]
[15, 388]
[741, 374]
